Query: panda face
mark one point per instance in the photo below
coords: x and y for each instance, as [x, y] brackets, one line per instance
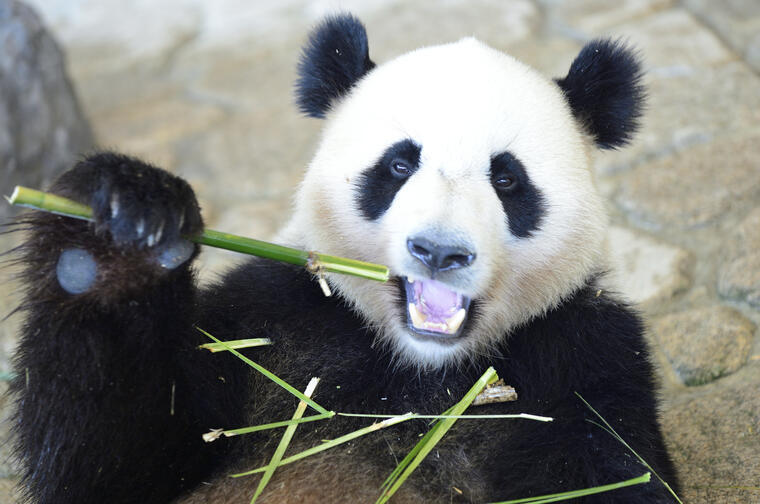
[466, 173]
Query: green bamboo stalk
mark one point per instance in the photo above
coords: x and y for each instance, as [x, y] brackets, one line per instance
[285, 441]
[574, 494]
[236, 344]
[313, 261]
[428, 442]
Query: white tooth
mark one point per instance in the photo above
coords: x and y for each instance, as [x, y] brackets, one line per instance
[151, 240]
[456, 320]
[410, 279]
[418, 319]
[436, 326]
[140, 228]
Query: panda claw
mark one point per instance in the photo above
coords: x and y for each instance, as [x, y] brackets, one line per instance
[159, 232]
[114, 205]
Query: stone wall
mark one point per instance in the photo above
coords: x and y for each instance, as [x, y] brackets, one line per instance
[204, 89]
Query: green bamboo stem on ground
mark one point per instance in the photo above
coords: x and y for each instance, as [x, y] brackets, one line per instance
[333, 442]
[574, 494]
[313, 261]
[428, 442]
[214, 434]
[285, 441]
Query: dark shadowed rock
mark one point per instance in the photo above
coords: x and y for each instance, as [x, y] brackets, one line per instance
[42, 128]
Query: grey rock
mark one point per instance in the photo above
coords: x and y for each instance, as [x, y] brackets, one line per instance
[713, 433]
[737, 22]
[647, 271]
[688, 105]
[7, 466]
[694, 187]
[674, 38]
[703, 344]
[739, 273]
[42, 129]
[586, 18]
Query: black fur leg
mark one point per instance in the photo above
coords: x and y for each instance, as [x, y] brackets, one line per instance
[112, 394]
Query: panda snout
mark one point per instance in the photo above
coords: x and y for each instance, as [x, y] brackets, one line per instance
[439, 257]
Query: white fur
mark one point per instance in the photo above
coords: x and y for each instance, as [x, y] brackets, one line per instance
[463, 103]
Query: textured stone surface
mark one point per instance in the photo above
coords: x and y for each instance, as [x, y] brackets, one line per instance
[647, 271]
[6, 466]
[703, 344]
[42, 128]
[674, 38]
[205, 89]
[739, 273]
[688, 106]
[694, 187]
[737, 22]
[592, 16]
[714, 437]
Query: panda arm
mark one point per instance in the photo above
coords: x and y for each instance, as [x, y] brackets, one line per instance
[593, 346]
[112, 395]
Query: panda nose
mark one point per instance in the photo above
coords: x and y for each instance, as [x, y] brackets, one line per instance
[438, 257]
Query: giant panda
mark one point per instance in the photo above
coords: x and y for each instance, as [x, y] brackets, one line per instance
[463, 170]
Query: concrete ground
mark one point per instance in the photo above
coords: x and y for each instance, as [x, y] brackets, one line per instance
[204, 89]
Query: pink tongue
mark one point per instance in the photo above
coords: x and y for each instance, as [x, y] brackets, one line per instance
[439, 300]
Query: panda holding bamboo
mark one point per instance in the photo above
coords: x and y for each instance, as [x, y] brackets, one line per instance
[463, 170]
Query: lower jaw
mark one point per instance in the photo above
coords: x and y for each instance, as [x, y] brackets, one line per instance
[437, 338]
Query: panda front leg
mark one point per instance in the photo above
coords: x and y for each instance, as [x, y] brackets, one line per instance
[112, 395]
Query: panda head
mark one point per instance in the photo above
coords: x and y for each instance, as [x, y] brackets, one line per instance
[467, 173]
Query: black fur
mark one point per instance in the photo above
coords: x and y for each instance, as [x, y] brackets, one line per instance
[334, 58]
[96, 372]
[378, 185]
[605, 92]
[521, 200]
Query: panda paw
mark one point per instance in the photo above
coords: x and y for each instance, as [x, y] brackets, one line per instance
[140, 206]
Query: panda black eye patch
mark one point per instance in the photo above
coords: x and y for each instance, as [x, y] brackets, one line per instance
[520, 198]
[378, 185]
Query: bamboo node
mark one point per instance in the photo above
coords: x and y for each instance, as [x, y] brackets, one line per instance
[317, 268]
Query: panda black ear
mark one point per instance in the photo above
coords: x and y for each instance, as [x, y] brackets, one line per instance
[334, 58]
[605, 92]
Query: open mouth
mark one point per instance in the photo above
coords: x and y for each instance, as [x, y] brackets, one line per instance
[433, 309]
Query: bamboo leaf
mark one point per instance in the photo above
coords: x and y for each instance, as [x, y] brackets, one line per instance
[428, 442]
[333, 442]
[285, 441]
[574, 494]
[279, 381]
[215, 434]
[236, 344]
[614, 433]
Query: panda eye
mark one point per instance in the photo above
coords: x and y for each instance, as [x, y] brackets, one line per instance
[400, 168]
[505, 182]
